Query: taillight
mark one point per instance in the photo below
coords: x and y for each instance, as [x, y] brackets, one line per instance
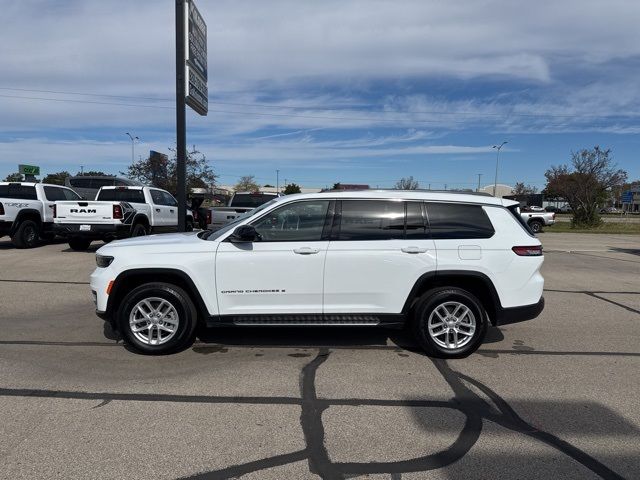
[534, 251]
[208, 217]
[117, 212]
[1, 209]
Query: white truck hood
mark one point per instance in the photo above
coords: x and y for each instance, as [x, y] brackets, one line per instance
[156, 240]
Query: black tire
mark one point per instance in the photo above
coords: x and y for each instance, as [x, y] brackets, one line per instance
[79, 244]
[184, 307]
[436, 298]
[535, 226]
[139, 230]
[27, 235]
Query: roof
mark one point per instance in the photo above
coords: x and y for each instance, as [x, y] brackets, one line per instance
[406, 195]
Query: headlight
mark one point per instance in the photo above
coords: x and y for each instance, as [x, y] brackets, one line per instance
[103, 261]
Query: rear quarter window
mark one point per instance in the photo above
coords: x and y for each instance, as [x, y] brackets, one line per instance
[458, 221]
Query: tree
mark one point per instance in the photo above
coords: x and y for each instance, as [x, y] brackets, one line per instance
[247, 184]
[336, 186]
[13, 177]
[162, 171]
[266, 185]
[407, 183]
[521, 189]
[57, 178]
[291, 188]
[586, 184]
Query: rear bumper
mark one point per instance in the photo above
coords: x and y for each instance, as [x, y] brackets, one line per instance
[97, 231]
[506, 316]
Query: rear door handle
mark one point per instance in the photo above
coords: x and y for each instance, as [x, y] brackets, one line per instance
[305, 250]
[171, 210]
[414, 250]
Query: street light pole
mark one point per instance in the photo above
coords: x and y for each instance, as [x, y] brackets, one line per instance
[479, 177]
[495, 181]
[133, 143]
[277, 181]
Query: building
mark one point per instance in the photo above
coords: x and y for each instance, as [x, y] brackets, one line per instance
[502, 190]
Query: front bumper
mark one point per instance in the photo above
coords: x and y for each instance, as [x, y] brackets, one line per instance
[97, 231]
[506, 316]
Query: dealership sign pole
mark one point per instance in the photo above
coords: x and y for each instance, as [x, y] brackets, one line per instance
[191, 86]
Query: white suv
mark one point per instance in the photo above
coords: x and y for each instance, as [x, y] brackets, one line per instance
[447, 265]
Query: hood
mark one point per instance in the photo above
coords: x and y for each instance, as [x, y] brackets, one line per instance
[166, 239]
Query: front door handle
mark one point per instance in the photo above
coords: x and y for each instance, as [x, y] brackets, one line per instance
[171, 210]
[157, 209]
[414, 250]
[305, 250]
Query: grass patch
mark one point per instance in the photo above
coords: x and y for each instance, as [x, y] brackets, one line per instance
[606, 227]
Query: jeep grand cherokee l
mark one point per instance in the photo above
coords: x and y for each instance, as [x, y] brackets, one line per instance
[446, 265]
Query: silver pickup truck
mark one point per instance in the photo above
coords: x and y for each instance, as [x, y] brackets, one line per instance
[537, 219]
[240, 203]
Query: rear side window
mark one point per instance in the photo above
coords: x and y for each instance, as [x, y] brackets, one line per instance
[54, 193]
[251, 200]
[121, 195]
[80, 182]
[458, 221]
[22, 192]
[371, 220]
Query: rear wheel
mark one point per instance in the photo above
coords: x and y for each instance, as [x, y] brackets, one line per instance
[27, 234]
[535, 226]
[79, 244]
[139, 230]
[449, 322]
[157, 318]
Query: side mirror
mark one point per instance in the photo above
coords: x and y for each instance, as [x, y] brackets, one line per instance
[243, 234]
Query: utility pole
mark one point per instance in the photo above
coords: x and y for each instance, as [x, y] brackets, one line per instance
[277, 181]
[181, 117]
[479, 176]
[133, 145]
[495, 180]
[81, 169]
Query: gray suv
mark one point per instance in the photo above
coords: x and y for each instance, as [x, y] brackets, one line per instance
[87, 186]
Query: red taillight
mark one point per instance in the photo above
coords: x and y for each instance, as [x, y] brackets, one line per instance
[534, 251]
[1, 209]
[208, 217]
[117, 212]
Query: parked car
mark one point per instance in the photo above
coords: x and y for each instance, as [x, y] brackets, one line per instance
[610, 210]
[26, 211]
[239, 204]
[117, 212]
[87, 186]
[538, 219]
[532, 208]
[362, 258]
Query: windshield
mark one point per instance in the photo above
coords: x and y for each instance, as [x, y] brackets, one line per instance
[211, 235]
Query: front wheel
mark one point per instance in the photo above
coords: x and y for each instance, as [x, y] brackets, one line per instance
[157, 318]
[449, 322]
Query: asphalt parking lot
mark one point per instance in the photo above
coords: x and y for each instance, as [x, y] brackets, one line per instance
[556, 397]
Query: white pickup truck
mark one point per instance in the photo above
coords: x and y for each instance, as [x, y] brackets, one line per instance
[117, 212]
[240, 203]
[26, 211]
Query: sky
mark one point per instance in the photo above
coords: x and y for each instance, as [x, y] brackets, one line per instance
[334, 91]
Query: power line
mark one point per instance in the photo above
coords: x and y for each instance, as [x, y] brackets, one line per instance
[348, 107]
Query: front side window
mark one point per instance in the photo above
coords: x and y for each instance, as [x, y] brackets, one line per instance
[371, 220]
[294, 222]
[169, 200]
[458, 221]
